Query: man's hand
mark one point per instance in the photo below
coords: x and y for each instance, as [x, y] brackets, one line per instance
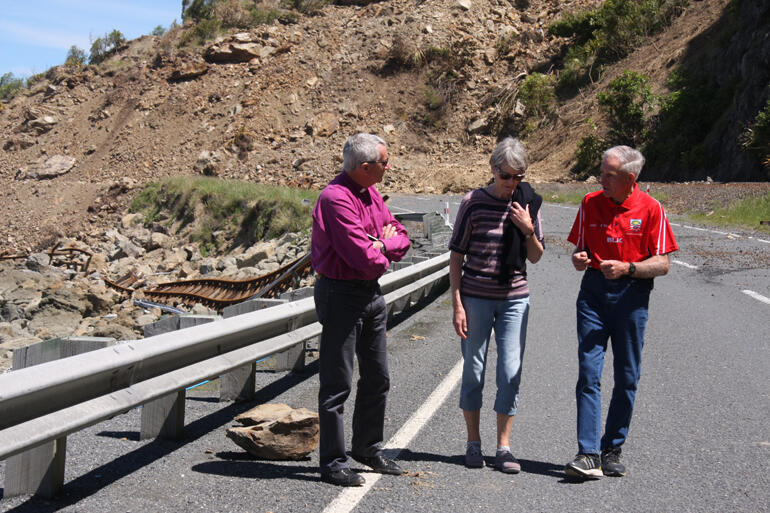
[388, 231]
[581, 260]
[614, 269]
[460, 322]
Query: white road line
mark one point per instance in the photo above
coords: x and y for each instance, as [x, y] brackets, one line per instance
[758, 297]
[350, 497]
[684, 264]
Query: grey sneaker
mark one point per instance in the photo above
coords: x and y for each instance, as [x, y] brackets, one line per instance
[585, 466]
[506, 463]
[473, 456]
[611, 465]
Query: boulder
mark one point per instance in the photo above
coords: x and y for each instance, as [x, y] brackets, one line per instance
[276, 432]
[323, 125]
[43, 169]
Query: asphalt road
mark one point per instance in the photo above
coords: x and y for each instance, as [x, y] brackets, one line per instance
[699, 440]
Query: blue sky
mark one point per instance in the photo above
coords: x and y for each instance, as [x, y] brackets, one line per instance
[37, 34]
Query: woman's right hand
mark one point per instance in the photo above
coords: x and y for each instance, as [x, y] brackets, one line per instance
[460, 322]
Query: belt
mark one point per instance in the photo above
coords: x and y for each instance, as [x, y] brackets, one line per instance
[360, 283]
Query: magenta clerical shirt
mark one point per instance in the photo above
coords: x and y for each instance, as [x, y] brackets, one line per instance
[343, 217]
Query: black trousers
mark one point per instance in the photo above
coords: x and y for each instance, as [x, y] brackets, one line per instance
[354, 318]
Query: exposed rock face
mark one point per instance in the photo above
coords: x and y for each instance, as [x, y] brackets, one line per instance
[276, 432]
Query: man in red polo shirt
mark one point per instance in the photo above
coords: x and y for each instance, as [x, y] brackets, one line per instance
[622, 240]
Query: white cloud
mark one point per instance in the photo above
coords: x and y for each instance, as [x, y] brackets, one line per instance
[41, 37]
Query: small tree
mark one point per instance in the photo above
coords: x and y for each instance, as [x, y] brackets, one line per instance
[103, 47]
[537, 94]
[76, 58]
[10, 85]
[158, 31]
[626, 103]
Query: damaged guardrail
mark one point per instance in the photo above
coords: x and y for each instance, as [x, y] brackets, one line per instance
[46, 402]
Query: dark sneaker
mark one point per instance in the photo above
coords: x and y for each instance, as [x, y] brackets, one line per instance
[585, 466]
[380, 464]
[343, 477]
[473, 456]
[506, 463]
[611, 465]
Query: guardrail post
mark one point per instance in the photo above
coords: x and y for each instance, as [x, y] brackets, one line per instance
[239, 384]
[293, 358]
[41, 470]
[164, 417]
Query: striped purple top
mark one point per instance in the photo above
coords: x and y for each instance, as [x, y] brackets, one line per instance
[478, 234]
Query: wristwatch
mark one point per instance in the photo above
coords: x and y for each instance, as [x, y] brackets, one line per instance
[631, 269]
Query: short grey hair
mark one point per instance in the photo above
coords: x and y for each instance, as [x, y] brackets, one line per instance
[510, 151]
[361, 148]
[631, 160]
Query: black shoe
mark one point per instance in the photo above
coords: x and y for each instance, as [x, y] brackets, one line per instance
[343, 477]
[585, 466]
[611, 465]
[379, 464]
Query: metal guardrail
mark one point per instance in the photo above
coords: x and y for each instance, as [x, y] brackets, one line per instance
[41, 403]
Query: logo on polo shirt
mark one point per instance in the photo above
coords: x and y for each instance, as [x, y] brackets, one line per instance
[615, 240]
[635, 224]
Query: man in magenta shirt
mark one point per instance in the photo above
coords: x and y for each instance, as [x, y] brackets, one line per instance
[355, 237]
[622, 241]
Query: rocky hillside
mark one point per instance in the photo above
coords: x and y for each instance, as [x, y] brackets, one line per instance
[276, 103]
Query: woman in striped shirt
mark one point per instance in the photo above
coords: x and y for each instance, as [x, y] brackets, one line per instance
[497, 229]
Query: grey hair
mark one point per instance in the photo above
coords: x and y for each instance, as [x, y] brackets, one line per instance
[361, 148]
[510, 151]
[631, 160]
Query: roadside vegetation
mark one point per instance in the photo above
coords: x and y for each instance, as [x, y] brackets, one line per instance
[749, 213]
[222, 214]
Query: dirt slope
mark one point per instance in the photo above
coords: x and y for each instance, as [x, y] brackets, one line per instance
[282, 116]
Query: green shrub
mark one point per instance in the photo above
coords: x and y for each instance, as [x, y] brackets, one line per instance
[309, 7]
[537, 94]
[608, 33]
[589, 155]
[76, 58]
[34, 79]
[758, 134]
[158, 31]
[103, 47]
[626, 103]
[201, 32]
[10, 86]
[197, 10]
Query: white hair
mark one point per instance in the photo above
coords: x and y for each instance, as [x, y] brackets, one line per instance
[510, 151]
[361, 148]
[631, 160]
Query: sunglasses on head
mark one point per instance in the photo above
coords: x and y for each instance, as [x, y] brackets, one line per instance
[508, 176]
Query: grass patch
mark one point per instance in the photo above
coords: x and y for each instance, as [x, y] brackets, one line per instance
[223, 214]
[746, 213]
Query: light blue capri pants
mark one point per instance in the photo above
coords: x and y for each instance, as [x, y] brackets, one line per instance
[509, 319]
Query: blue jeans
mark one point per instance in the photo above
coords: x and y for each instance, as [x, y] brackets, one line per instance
[509, 319]
[615, 310]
